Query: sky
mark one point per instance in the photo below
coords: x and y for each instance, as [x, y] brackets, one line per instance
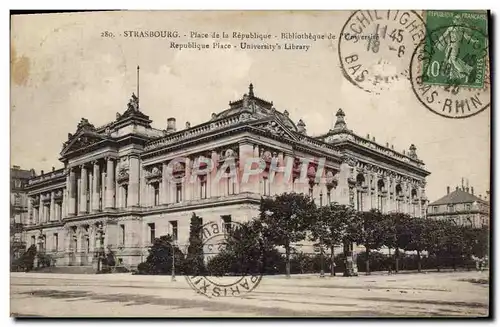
[63, 69]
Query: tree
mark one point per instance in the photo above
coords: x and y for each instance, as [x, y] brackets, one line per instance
[246, 252]
[159, 260]
[26, 261]
[417, 228]
[371, 233]
[195, 257]
[435, 238]
[285, 220]
[481, 237]
[397, 233]
[331, 227]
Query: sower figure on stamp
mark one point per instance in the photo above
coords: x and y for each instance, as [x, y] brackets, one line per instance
[449, 42]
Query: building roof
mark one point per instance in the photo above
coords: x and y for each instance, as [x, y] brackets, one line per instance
[457, 196]
[20, 173]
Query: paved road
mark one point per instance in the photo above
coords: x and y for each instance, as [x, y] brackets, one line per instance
[123, 295]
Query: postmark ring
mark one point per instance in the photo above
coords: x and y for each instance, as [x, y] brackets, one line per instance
[377, 53]
[208, 285]
[449, 98]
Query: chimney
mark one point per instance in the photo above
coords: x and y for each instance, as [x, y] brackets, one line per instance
[16, 167]
[188, 125]
[41, 172]
[53, 168]
[472, 190]
[456, 189]
[447, 190]
[171, 125]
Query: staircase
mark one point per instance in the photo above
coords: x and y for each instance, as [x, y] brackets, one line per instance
[67, 270]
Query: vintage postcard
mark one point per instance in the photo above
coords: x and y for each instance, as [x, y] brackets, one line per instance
[250, 164]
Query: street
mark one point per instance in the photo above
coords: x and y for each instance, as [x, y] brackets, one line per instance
[124, 295]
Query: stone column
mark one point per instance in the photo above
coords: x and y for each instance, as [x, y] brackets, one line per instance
[52, 207]
[255, 180]
[66, 196]
[95, 187]
[368, 202]
[342, 190]
[41, 211]
[187, 186]
[375, 193]
[83, 192]
[133, 186]
[164, 184]
[29, 221]
[214, 186]
[110, 183]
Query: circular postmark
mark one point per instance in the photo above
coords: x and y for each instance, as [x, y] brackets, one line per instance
[375, 47]
[449, 71]
[228, 280]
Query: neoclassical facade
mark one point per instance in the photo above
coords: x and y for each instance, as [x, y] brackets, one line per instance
[125, 183]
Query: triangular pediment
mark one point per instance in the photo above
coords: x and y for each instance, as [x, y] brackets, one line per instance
[275, 127]
[80, 140]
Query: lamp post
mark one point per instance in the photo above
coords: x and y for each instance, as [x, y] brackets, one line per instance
[173, 261]
[322, 273]
[172, 246]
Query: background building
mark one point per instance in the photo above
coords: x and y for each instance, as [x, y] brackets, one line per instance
[461, 206]
[115, 189]
[18, 207]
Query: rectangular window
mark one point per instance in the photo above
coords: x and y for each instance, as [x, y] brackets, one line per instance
[265, 182]
[33, 240]
[125, 195]
[175, 231]
[178, 193]
[56, 242]
[435, 209]
[152, 231]
[451, 208]
[230, 185]
[227, 224]
[203, 189]
[156, 187]
[467, 207]
[122, 234]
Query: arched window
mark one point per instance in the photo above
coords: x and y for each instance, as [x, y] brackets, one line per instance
[414, 202]
[381, 196]
[399, 200]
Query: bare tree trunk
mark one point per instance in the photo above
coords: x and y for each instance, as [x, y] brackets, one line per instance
[287, 250]
[396, 254]
[367, 262]
[332, 259]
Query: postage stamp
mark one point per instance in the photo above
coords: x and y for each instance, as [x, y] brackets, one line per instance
[225, 282]
[450, 68]
[375, 47]
[458, 46]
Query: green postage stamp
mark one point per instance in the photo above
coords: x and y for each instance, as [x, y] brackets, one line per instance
[456, 47]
